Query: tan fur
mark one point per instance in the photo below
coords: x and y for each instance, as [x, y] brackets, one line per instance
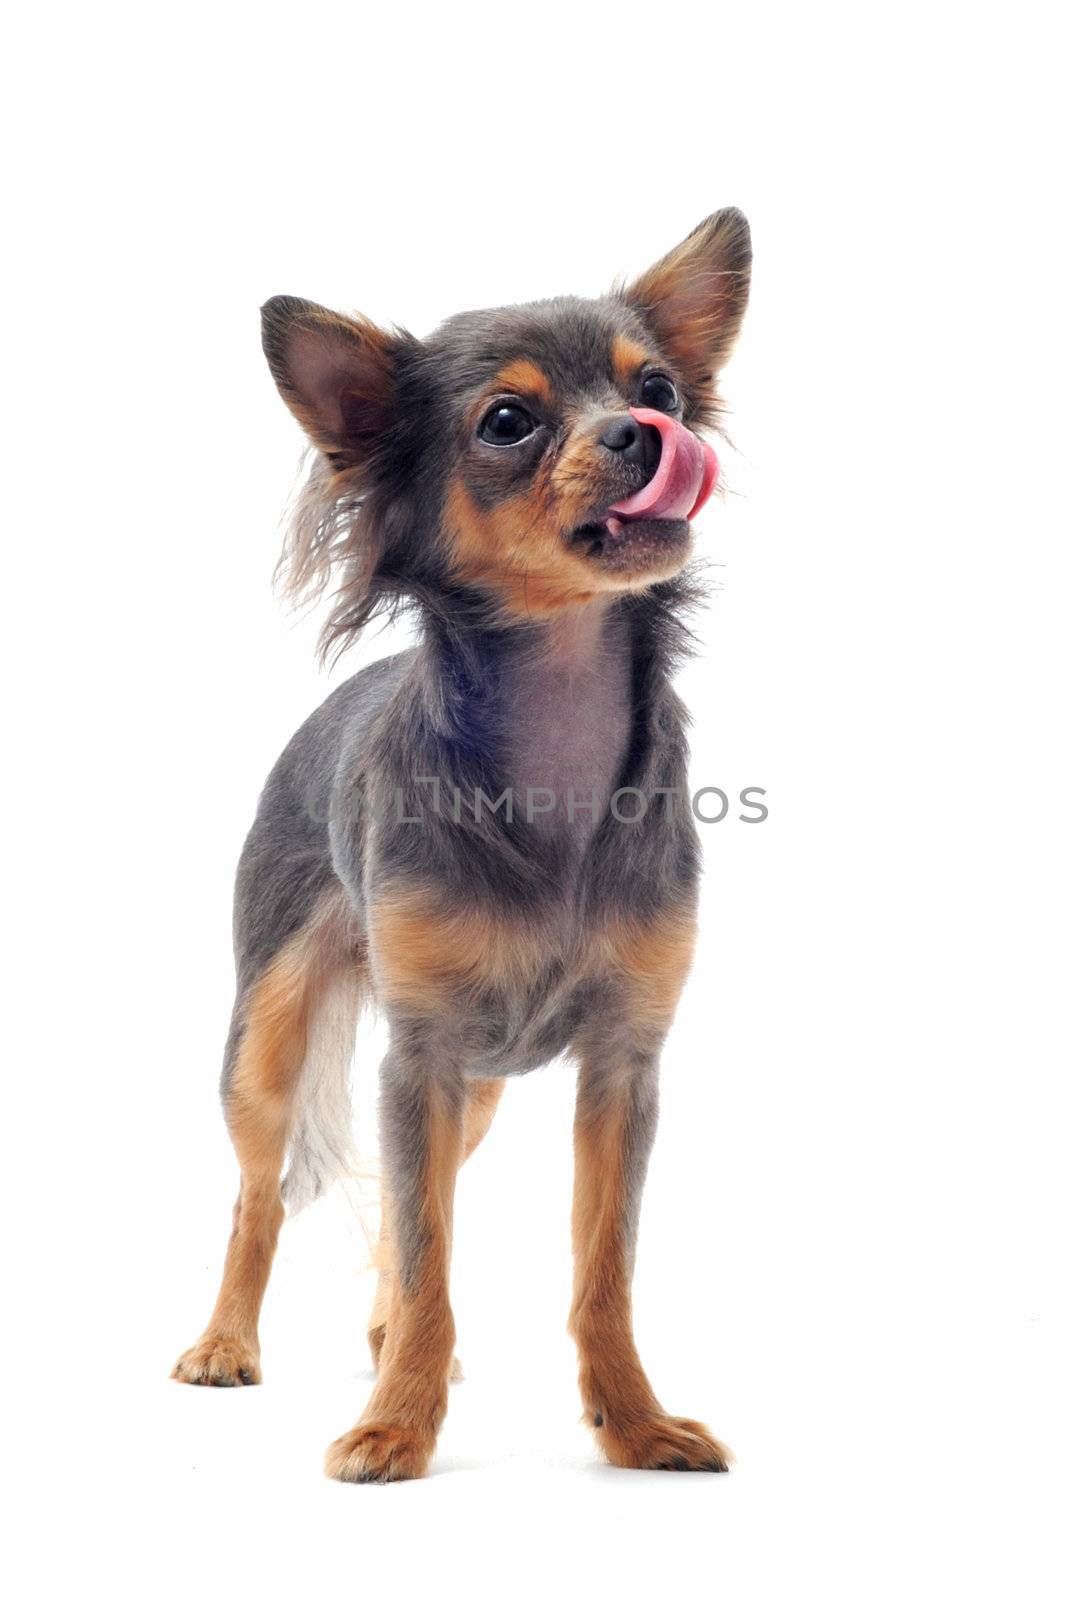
[627, 358]
[523, 378]
[655, 955]
[259, 1111]
[694, 299]
[516, 551]
[424, 951]
[519, 551]
[396, 1434]
[483, 1097]
[478, 976]
[630, 1425]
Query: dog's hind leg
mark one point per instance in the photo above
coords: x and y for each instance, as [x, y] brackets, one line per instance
[266, 1057]
[483, 1097]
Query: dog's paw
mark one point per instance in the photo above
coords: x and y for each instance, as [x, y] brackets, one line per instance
[379, 1452]
[219, 1363]
[671, 1444]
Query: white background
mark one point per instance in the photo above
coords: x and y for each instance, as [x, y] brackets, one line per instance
[850, 1261]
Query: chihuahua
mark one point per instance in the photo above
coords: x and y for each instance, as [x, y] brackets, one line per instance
[487, 835]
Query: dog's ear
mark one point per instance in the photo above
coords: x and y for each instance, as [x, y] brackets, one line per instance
[693, 300]
[336, 374]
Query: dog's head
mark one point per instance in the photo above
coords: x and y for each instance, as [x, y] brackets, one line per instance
[534, 456]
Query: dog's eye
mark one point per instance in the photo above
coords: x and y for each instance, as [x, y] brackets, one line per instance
[506, 424]
[659, 392]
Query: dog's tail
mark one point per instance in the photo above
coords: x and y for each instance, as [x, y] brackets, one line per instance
[321, 1148]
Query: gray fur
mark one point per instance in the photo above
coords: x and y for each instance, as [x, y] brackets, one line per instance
[310, 841]
[552, 915]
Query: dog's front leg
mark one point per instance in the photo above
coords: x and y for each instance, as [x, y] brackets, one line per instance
[614, 1128]
[422, 1117]
[482, 1099]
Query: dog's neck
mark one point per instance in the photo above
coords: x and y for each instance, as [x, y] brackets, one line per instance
[571, 710]
[546, 705]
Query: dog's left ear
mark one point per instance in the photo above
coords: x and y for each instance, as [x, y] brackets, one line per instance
[693, 300]
[336, 374]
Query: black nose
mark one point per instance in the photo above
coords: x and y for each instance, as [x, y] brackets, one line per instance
[633, 441]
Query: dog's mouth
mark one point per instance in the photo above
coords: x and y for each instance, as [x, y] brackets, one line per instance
[649, 530]
[636, 546]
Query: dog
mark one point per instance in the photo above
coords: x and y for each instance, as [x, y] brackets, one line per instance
[486, 835]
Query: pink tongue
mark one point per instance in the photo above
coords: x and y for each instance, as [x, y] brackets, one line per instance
[684, 478]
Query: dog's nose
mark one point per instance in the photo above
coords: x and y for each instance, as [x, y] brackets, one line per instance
[633, 441]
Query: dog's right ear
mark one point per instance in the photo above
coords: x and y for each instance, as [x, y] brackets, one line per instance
[336, 374]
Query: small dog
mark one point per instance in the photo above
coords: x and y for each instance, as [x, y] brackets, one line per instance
[486, 835]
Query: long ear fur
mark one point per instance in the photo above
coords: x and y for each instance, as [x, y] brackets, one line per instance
[694, 299]
[338, 375]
